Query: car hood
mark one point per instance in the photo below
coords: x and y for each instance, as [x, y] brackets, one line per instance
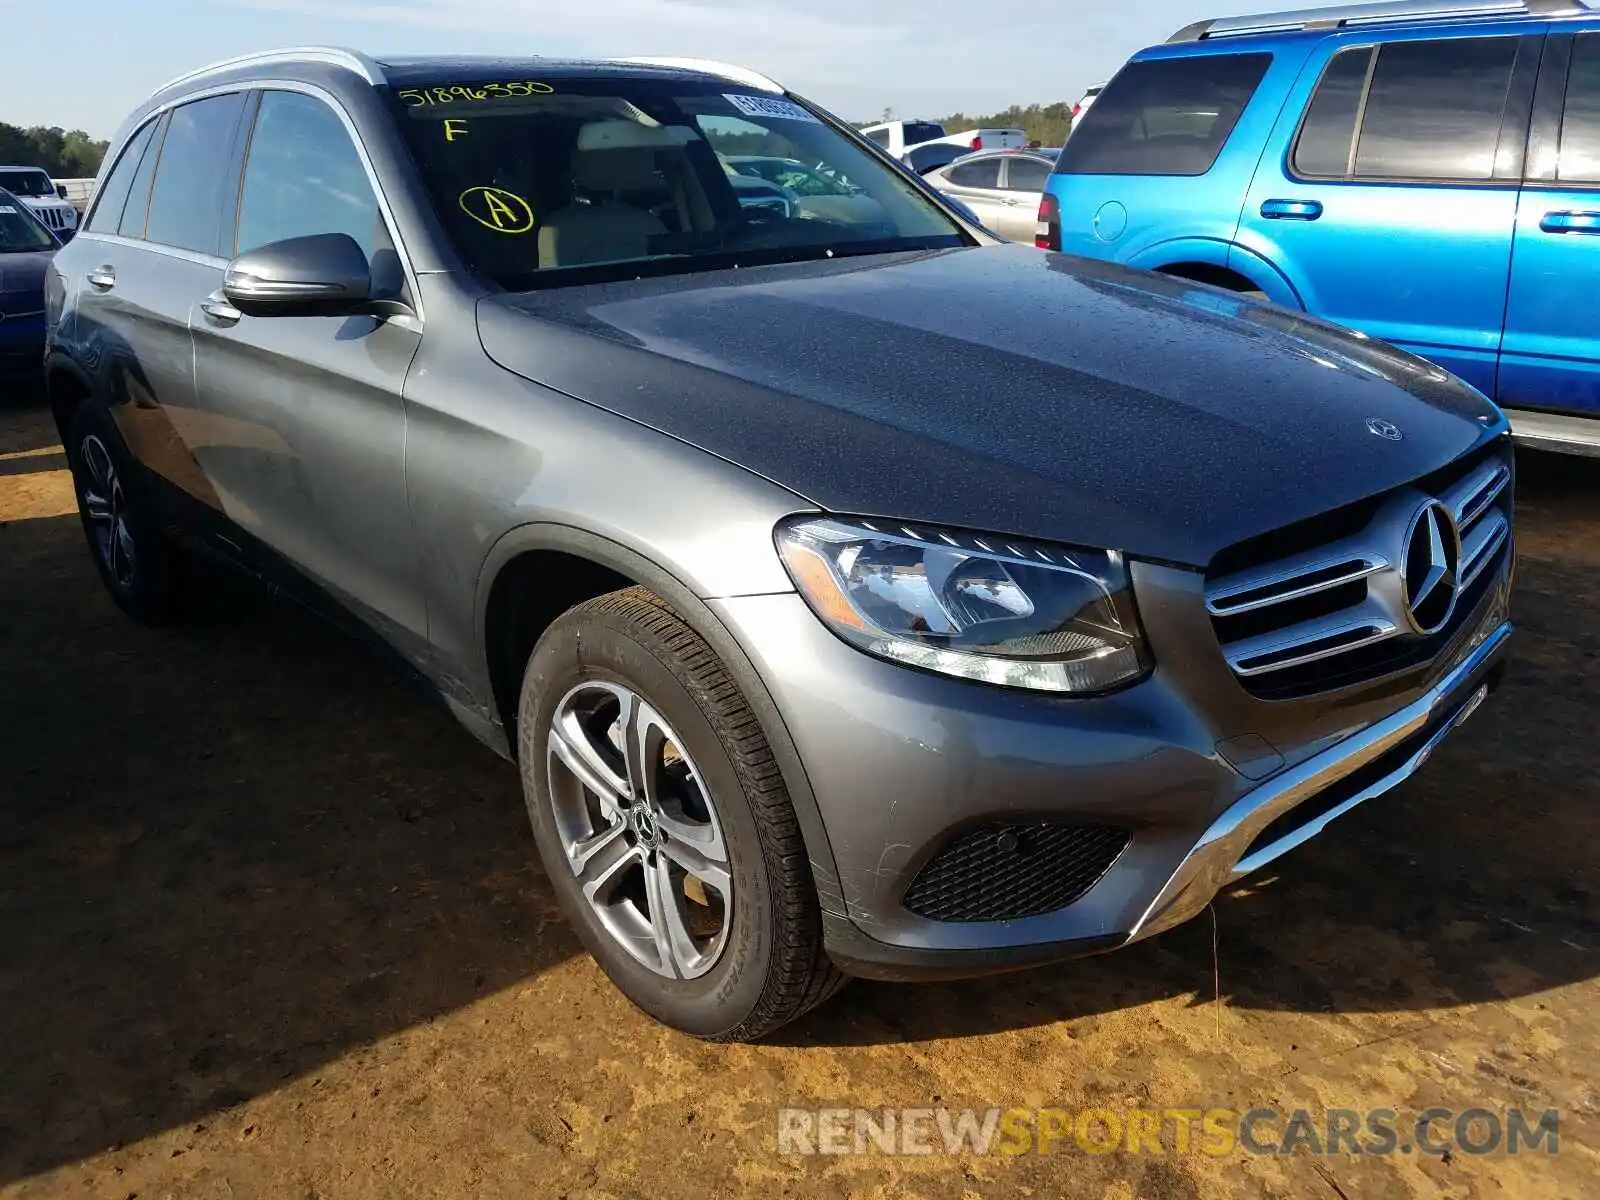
[1004, 389]
[23, 272]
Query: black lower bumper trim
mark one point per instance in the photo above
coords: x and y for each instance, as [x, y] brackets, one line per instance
[854, 953]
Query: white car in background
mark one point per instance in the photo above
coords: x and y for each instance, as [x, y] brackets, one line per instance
[34, 187]
[1000, 187]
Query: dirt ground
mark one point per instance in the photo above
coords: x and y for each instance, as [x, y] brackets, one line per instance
[271, 926]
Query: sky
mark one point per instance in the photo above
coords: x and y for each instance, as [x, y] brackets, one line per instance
[85, 64]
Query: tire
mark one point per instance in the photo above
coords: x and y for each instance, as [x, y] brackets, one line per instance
[136, 563]
[751, 961]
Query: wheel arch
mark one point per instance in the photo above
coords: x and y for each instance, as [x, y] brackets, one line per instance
[1224, 264]
[67, 386]
[515, 605]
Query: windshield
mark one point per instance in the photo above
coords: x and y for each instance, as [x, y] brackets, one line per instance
[20, 230]
[27, 183]
[545, 182]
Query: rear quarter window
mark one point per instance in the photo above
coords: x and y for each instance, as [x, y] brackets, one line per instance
[1168, 116]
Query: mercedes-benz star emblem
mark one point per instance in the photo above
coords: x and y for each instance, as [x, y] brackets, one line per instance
[1387, 430]
[1432, 568]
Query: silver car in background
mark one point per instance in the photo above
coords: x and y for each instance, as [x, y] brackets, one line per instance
[1002, 187]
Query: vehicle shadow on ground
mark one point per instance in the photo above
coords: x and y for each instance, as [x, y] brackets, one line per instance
[237, 849]
[230, 852]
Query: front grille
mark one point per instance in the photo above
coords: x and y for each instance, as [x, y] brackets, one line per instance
[1006, 872]
[1355, 594]
[54, 218]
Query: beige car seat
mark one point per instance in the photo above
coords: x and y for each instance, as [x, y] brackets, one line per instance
[611, 158]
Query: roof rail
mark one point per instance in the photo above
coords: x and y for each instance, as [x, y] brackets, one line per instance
[1375, 14]
[331, 55]
[708, 66]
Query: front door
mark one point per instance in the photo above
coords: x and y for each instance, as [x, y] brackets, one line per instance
[1391, 205]
[976, 183]
[309, 453]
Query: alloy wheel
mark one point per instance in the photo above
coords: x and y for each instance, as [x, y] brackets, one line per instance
[639, 829]
[105, 507]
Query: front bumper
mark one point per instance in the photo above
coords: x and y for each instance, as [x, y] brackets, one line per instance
[898, 760]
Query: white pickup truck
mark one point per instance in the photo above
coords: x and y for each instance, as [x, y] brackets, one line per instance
[897, 137]
[35, 188]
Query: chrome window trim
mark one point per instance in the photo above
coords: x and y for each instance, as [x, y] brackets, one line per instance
[178, 252]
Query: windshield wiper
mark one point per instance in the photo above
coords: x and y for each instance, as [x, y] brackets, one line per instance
[720, 260]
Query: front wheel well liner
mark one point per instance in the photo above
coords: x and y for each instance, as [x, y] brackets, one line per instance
[528, 594]
[66, 392]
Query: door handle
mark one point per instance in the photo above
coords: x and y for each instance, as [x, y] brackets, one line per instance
[218, 311]
[1291, 210]
[102, 279]
[1571, 222]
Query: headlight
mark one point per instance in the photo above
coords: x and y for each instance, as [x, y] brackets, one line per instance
[995, 609]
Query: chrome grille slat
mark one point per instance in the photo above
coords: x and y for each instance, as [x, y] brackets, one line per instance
[1245, 654]
[1478, 548]
[1471, 498]
[1283, 575]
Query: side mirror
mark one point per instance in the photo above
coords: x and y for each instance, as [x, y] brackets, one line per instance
[323, 275]
[61, 190]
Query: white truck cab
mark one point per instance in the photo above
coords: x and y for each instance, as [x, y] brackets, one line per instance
[897, 137]
[34, 187]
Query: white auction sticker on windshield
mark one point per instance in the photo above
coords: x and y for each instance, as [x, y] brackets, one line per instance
[6, 208]
[768, 106]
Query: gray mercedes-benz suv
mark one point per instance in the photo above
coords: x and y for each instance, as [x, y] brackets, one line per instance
[857, 594]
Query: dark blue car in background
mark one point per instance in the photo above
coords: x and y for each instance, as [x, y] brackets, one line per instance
[1426, 172]
[25, 250]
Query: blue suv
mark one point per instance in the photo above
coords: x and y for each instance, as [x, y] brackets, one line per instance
[1426, 172]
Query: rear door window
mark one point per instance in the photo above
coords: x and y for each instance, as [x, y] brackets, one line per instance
[113, 197]
[1434, 109]
[186, 201]
[1167, 116]
[921, 131]
[1327, 142]
[1027, 175]
[985, 173]
[1580, 127]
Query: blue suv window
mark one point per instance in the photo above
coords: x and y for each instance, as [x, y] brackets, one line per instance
[1165, 116]
[1426, 110]
[1580, 128]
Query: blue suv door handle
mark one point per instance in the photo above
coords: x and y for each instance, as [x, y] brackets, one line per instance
[1571, 222]
[1291, 210]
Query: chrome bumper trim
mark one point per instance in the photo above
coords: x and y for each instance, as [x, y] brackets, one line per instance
[1218, 858]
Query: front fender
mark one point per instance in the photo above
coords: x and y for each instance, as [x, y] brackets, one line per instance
[700, 617]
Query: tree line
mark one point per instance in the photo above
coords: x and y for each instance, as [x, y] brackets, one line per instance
[1047, 124]
[63, 153]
